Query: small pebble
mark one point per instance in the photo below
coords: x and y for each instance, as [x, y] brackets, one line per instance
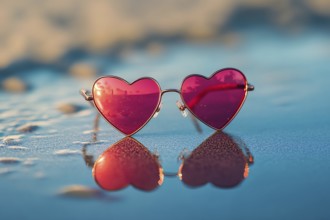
[40, 175]
[27, 128]
[9, 160]
[155, 48]
[65, 152]
[52, 131]
[68, 108]
[230, 39]
[14, 85]
[12, 139]
[84, 113]
[90, 142]
[204, 33]
[17, 148]
[39, 136]
[5, 171]
[89, 131]
[30, 161]
[83, 70]
[79, 191]
[82, 142]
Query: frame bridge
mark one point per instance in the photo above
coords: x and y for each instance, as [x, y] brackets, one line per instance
[171, 90]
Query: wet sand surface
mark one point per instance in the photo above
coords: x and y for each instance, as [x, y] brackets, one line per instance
[47, 143]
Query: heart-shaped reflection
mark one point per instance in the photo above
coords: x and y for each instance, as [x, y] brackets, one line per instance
[215, 100]
[218, 160]
[128, 162]
[128, 107]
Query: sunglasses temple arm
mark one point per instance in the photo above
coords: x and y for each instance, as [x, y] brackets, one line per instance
[86, 94]
[194, 101]
[196, 124]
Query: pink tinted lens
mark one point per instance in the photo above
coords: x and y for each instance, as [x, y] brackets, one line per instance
[128, 107]
[216, 100]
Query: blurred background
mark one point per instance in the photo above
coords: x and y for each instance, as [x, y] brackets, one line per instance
[63, 34]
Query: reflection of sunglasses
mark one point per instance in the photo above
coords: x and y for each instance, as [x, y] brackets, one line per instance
[129, 106]
[220, 160]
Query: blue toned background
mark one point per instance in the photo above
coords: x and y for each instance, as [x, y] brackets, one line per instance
[283, 49]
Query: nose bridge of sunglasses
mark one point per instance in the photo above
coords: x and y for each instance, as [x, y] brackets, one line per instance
[181, 106]
[170, 90]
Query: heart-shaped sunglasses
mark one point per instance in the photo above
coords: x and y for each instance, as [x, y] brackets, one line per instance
[129, 106]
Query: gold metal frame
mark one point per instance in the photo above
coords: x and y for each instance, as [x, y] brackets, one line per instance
[88, 96]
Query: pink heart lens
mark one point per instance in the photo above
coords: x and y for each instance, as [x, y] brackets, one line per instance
[128, 107]
[215, 100]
